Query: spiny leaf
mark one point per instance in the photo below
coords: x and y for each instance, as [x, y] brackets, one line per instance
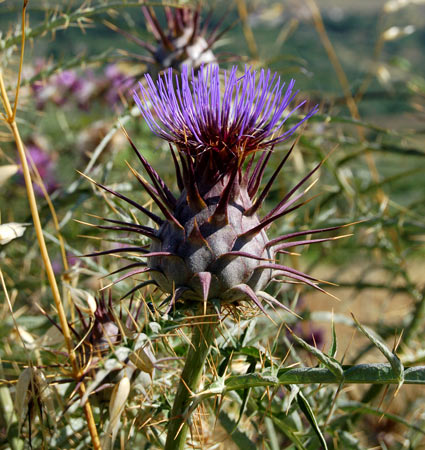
[392, 358]
[327, 361]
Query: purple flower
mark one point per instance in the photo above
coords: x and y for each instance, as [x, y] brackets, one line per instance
[44, 164]
[219, 111]
[118, 84]
[67, 79]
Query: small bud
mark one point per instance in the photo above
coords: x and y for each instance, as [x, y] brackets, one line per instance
[144, 359]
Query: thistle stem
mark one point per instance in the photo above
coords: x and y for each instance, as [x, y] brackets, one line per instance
[202, 338]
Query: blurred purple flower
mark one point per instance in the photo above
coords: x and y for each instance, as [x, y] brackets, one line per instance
[67, 79]
[310, 333]
[72, 87]
[45, 167]
[87, 89]
[118, 84]
[57, 266]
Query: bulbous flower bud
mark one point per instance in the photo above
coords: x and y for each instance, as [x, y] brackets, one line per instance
[182, 43]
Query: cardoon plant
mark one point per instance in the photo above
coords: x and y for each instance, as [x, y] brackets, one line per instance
[210, 250]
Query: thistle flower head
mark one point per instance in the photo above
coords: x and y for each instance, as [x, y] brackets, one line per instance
[182, 39]
[212, 246]
[217, 115]
[182, 42]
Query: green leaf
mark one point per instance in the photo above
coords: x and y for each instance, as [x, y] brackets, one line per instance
[332, 364]
[246, 393]
[271, 433]
[348, 441]
[239, 438]
[334, 344]
[288, 432]
[392, 178]
[392, 358]
[308, 412]
[357, 407]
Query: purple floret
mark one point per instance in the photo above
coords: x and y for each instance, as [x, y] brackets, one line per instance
[219, 110]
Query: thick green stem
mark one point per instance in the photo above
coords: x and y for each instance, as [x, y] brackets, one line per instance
[202, 338]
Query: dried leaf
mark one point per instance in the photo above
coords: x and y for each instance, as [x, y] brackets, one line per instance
[83, 300]
[144, 359]
[116, 408]
[6, 172]
[10, 231]
[22, 397]
[32, 388]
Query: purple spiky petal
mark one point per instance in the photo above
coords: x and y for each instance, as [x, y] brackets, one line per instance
[219, 111]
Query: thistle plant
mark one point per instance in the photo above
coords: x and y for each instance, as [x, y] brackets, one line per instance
[205, 247]
[210, 251]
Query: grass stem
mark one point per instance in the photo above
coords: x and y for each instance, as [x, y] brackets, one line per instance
[10, 118]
